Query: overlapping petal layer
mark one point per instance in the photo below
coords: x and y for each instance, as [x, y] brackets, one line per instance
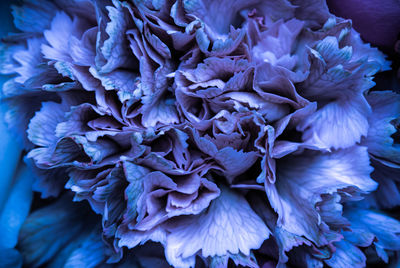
[225, 131]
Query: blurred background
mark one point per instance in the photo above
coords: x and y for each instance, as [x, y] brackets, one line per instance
[15, 180]
[10, 149]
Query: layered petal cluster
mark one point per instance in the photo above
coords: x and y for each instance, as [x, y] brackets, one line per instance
[202, 133]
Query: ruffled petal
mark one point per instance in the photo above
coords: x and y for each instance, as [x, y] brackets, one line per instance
[385, 110]
[388, 192]
[132, 238]
[346, 255]
[337, 125]
[217, 232]
[115, 49]
[366, 225]
[57, 37]
[310, 177]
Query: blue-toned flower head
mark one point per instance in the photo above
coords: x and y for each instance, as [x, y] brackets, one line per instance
[201, 133]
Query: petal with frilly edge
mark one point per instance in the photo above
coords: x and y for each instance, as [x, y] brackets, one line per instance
[42, 131]
[209, 12]
[310, 176]
[132, 238]
[339, 124]
[57, 38]
[336, 72]
[368, 226]
[388, 192]
[385, 111]
[346, 255]
[115, 49]
[229, 226]
[239, 260]
[218, 26]
[29, 60]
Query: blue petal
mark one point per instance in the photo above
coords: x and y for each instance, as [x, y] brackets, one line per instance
[385, 108]
[310, 177]
[219, 231]
[314, 13]
[388, 193]
[42, 128]
[239, 260]
[115, 49]
[49, 230]
[338, 124]
[334, 72]
[346, 255]
[9, 158]
[90, 252]
[230, 158]
[16, 208]
[368, 226]
[57, 37]
[134, 175]
[34, 15]
[10, 258]
[162, 111]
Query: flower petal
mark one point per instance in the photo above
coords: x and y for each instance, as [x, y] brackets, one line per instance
[16, 209]
[310, 177]
[34, 16]
[115, 49]
[368, 224]
[385, 109]
[229, 226]
[339, 124]
[57, 37]
[346, 255]
[37, 241]
[10, 258]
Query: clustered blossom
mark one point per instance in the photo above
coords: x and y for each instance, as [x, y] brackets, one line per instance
[202, 133]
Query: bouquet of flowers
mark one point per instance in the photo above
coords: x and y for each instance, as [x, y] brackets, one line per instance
[198, 133]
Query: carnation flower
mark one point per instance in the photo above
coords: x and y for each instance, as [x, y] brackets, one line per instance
[201, 133]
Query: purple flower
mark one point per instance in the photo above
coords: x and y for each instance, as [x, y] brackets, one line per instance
[201, 135]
